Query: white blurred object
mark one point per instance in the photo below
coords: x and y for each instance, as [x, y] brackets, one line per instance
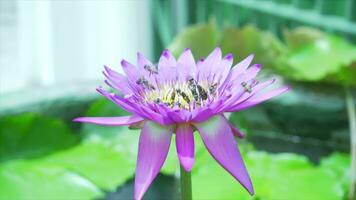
[67, 42]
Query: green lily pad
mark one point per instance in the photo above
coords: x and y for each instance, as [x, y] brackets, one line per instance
[201, 39]
[35, 180]
[244, 41]
[106, 167]
[32, 135]
[280, 176]
[301, 36]
[321, 58]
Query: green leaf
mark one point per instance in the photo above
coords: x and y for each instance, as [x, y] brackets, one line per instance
[104, 166]
[201, 39]
[279, 176]
[31, 135]
[323, 57]
[338, 164]
[34, 180]
[93, 164]
[244, 41]
[301, 36]
[104, 108]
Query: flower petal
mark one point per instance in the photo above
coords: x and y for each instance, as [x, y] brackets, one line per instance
[117, 100]
[252, 72]
[152, 152]
[130, 70]
[221, 70]
[142, 61]
[186, 65]
[219, 140]
[185, 145]
[241, 66]
[212, 61]
[117, 81]
[167, 67]
[254, 100]
[110, 121]
[240, 95]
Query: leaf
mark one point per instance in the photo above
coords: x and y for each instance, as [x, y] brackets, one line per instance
[33, 180]
[104, 166]
[338, 165]
[244, 41]
[31, 135]
[323, 57]
[301, 36]
[104, 108]
[201, 39]
[92, 164]
[279, 176]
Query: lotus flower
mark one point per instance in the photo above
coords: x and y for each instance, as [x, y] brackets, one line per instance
[181, 96]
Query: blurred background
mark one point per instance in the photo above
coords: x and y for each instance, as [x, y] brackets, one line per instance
[299, 146]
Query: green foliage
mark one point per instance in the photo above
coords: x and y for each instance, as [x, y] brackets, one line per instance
[275, 176]
[104, 166]
[103, 108]
[246, 40]
[31, 135]
[35, 180]
[103, 160]
[320, 59]
[201, 39]
[307, 54]
[280, 176]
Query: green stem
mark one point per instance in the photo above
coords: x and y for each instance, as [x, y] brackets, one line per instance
[185, 184]
[350, 104]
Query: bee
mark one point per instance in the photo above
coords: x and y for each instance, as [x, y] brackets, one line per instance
[183, 95]
[151, 68]
[212, 88]
[173, 96]
[169, 97]
[158, 100]
[197, 90]
[246, 87]
[142, 81]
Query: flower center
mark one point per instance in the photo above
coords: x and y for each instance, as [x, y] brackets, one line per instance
[184, 95]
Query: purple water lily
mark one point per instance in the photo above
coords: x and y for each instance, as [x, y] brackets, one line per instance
[180, 96]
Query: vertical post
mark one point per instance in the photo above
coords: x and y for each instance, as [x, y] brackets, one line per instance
[185, 184]
[350, 104]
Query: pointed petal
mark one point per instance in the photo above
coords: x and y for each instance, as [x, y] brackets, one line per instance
[142, 61]
[185, 146]
[117, 100]
[242, 66]
[130, 70]
[254, 100]
[255, 90]
[110, 121]
[252, 72]
[167, 67]
[212, 61]
[221, 70]
[186, 65]
[117, 81]
[152, 152]
[219, 140]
